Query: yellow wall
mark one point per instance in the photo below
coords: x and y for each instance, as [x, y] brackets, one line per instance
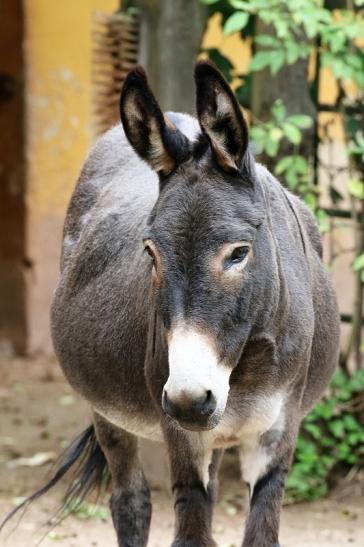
[58, 60]
[58, 135]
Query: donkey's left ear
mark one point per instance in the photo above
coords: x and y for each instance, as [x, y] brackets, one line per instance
[220, 117]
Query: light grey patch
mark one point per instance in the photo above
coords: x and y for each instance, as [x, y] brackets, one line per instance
[254, 460]
[270, 439]
[258, 444]
[188, 125]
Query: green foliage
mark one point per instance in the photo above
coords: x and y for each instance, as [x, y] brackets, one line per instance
[267, 138]
[356, 146]
[296, 29]
[356, 188]
[86, 511]
[331, 436]
[358, 266]
[236, 21]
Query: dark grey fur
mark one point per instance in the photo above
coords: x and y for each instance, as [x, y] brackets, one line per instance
[277, 327]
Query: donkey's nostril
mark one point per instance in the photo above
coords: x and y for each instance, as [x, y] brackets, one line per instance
[209, 405]
[208, 396]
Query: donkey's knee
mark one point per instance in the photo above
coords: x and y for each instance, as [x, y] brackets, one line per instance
[130, 501]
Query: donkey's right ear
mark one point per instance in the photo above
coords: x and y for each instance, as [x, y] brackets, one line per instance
[155, 139]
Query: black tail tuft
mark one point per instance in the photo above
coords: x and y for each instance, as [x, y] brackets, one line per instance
[90, 473]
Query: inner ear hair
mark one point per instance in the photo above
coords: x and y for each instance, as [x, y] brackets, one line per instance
[220, 117]
[156, 141]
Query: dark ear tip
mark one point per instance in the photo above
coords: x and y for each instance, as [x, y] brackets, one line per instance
[135, 78]
[205, 69]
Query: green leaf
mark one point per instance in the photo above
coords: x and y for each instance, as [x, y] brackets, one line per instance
[241, 5]
[276, 134]
[258, 135]
[292, 54]
[279, 110]
[356, 188]
[339, 379]
[260, 60]
[266, 40]
[301, 120]
[292, 133]
[310, 200]
[314, 430]
[358, 263]
[337, 428]
[277, 61]
[236, 22]
[271, 147]
[209, 2]
[299, 164]
[350, 423]
[283, 165]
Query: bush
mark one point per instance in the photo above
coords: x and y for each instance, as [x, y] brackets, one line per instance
[332, 437]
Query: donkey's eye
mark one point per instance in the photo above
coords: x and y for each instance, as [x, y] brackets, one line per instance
[238, 254]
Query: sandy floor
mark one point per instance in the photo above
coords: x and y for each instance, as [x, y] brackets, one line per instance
[39, 414]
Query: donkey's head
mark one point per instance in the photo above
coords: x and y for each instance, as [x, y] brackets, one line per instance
[204, 240]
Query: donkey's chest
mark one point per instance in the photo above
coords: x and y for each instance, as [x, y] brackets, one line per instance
[245, 422]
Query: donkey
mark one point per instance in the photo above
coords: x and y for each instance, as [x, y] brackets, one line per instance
[192, 308]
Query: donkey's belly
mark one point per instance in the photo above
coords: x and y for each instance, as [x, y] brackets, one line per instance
[141, 425]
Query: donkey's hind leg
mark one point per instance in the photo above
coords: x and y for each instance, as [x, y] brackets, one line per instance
[130, 501]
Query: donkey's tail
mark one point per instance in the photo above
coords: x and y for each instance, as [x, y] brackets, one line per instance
[85, 463]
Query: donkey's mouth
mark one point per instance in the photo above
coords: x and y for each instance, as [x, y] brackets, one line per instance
[197, 427]
[200, 424]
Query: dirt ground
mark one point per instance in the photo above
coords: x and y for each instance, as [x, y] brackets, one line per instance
[39, 414]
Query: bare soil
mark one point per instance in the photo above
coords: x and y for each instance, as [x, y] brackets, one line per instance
[39, 414]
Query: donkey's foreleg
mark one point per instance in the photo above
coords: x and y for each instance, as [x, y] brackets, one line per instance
[194, 484]
[262, 526]
[130, 500]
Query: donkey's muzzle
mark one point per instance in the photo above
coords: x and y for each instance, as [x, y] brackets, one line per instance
[191, 412]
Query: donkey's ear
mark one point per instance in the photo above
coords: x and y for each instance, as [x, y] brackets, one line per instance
[220, 117]
[153, 137]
